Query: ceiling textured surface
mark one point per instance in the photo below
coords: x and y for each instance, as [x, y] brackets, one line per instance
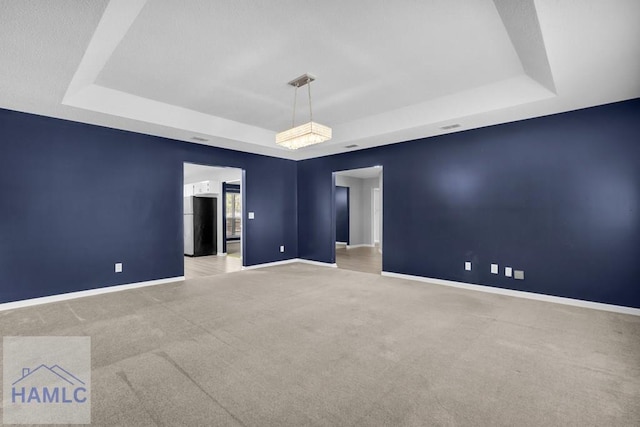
[386, 72]
[238, 68]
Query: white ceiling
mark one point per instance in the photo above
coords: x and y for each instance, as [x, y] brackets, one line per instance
[386, 71]
[238, 68]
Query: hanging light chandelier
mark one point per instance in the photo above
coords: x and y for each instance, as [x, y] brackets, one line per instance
[309, 133]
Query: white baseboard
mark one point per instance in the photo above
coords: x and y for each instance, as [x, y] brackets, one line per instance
[341, 243]
[81, 294]
[321, 264]
[270, 264]
[363, 245]
[221, 254]
[290, 261]
[519, 294]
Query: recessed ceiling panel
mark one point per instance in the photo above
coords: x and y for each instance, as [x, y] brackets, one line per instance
[232, 59]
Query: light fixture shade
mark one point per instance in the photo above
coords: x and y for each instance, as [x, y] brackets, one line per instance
[301, 136]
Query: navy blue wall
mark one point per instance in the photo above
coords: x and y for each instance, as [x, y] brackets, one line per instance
[77, 198]
[557, 197]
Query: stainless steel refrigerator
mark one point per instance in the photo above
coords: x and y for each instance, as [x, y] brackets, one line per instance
[200, 228]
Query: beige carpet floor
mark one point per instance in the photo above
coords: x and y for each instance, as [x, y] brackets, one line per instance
[301, 345]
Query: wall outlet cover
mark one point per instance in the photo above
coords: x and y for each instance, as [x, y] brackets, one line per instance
[467, 266]
[508, 271]
[282, 248]
[118, 267]
[252, 215]
[494, 268]
[518, 274]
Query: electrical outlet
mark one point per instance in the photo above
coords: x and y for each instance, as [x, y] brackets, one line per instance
[508, 271]
[467, 266]
[118, 267]
[252, 215]
[494, 268]
[282, 248]
[518, 274]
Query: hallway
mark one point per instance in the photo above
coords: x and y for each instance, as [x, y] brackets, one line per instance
[364, 259]
[210, 265]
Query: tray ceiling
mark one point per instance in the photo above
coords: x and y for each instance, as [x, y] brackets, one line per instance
[386, 71]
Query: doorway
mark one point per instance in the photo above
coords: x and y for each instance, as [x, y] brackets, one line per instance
[358, 219]
[205, 220]
[232, 220]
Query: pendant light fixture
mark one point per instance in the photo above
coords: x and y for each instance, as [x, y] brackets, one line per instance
[309, 133]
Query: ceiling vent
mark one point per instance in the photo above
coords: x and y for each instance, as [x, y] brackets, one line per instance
[197, 138]
[448, 127]
[351, 146]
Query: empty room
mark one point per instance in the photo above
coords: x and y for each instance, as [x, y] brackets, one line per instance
[320, 213]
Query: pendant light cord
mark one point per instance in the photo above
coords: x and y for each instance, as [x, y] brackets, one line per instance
[295, 100]
[310, 112]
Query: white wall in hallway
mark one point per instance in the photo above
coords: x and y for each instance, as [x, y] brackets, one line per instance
[360, 207]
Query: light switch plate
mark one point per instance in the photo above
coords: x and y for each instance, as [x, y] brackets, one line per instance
[467, 266]
[494, 268]
[508, 271]
[252, 215]
[118, 267]
[518, 274]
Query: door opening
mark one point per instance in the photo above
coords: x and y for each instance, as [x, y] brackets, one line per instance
[205, 221]
[232, 218]
[358, 219]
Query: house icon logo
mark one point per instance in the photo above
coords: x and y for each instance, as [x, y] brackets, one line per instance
[46, 380]
[48, 384]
